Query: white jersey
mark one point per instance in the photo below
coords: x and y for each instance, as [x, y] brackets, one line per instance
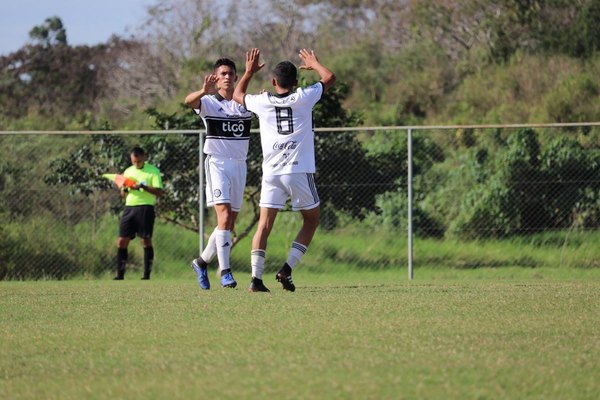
[227, 127]
[286, 129]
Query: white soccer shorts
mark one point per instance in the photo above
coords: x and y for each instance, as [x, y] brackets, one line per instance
[300, 188]
[225, 181]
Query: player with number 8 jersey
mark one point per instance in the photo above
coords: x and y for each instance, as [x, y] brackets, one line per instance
[286, 129]
[287, 139]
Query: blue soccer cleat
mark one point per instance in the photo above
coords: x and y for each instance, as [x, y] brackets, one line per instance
[227, 280]
[202, 272]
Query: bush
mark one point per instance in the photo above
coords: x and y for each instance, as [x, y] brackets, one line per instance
[44, 248]
[393, 215]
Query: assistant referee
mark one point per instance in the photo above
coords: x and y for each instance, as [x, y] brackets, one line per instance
[138, 216]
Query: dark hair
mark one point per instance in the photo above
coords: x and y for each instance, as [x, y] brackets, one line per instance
[285, 74]
[226, 62]
[137, 151]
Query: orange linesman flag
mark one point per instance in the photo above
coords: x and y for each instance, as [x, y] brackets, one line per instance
[120, 180]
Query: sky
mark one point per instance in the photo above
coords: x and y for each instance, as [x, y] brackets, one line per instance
[87, 22]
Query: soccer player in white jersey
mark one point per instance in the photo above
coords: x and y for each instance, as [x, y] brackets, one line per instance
[226, 147]
[287, 139]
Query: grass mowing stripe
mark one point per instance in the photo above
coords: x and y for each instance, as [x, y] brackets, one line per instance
[329, 339]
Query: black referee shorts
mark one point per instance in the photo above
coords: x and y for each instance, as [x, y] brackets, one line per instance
[137, 220]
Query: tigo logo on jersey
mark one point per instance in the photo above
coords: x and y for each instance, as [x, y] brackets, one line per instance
[228, 128]
[237, 128]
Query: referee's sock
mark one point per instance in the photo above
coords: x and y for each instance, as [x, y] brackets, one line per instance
[296, 252]
[257, 261]
[121, 261]
[148, 261]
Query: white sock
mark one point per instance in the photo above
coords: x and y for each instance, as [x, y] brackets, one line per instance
[223, 243]
[296, 253]
[211, 248]
[257, 260]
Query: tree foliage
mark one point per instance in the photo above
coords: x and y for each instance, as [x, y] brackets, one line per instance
[50, 33]
[531, 189]
[403, 62]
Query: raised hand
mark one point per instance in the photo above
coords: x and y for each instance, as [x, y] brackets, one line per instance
[311, 62]
[253, 61]
[210, 84]
[310, 59]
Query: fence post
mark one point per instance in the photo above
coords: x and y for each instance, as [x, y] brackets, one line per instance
[201, 192]
[410, 205]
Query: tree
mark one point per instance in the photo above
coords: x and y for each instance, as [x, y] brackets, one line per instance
[583, 37]
[55, 81]
[50, 33]
[74, 87]
[64, 85]
[136, 77]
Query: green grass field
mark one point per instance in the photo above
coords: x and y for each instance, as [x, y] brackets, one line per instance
[509, 333]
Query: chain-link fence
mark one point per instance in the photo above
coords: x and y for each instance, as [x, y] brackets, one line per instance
[526, 196]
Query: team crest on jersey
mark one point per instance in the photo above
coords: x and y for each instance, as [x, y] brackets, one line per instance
[217, 193]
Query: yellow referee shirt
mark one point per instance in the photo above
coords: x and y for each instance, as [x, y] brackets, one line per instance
[148, 175]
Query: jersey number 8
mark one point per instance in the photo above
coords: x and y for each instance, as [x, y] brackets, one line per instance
[285, 122]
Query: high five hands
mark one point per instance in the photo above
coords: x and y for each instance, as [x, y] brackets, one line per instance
[210, 84]
[253, 61]
[309, 58]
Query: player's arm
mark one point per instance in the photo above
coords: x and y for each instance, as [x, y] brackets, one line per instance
[209, 87]
[311, 62]
[253, 65]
